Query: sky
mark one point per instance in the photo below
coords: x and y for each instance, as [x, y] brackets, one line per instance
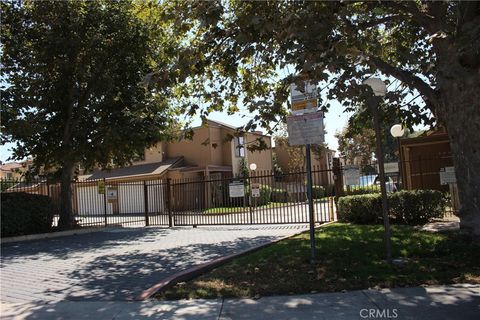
[335, 120]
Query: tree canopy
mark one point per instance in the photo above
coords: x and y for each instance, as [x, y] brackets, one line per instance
[240, 53]
[74, 85]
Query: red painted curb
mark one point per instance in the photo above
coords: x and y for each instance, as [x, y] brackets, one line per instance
[207, 266]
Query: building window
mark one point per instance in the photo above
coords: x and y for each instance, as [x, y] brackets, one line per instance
[239, 147]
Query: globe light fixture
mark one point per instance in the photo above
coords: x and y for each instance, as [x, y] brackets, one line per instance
[397, 130]
[253, 166]
[378, 86]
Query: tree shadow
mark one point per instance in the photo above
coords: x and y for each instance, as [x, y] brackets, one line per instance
[117, 269]
[62, 247]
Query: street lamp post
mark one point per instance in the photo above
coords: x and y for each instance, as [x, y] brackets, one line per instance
[397, 131]
[252, 167]
[379, 90]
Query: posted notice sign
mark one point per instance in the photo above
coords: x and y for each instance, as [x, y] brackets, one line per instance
[255, 190]
[101, 187]
[351, 175]
[112, 193]
[306, 129]
[447, 176]
[236, 189]
[304, 98]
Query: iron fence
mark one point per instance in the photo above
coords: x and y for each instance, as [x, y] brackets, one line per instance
[262, 197]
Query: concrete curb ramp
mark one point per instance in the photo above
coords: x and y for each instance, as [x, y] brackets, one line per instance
[435, 302]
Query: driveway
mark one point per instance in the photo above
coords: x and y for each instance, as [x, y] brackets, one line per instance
[119, 264]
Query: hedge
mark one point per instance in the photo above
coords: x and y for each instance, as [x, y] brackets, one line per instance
[412, 207]
[25, 213]
[318, 192]
[279, 195]
[362, 190]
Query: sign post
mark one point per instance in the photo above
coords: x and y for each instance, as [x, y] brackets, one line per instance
[310, 204]
[305, 127]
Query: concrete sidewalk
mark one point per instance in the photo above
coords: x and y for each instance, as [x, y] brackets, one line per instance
[433, 302]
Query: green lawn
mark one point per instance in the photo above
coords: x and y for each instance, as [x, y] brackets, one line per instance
[349, 257]
[246, 209]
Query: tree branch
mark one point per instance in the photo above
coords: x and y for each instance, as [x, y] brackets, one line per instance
[376, 22]
[406, 77]
[422, 19]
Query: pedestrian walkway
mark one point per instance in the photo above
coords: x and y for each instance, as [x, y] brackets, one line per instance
[119, 264]
[455, 302]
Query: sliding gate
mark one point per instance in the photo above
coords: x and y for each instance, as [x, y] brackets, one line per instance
[261, 198]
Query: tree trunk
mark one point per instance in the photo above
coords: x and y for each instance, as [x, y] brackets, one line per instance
[460, 111]
[66, 220]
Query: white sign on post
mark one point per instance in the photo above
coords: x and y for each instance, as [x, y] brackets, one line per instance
[351, 175]
[303, 99]
[306, 129]
[112, 193]
[255, 190]
[447, 176]
[236, 190]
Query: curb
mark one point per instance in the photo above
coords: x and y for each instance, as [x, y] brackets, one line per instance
[200, 269]
[57, 234]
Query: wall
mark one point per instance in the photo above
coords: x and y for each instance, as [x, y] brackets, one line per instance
[227, 147]
[216, 146]
[263, 159]
[154, 154]
[194, 152]
[422, 159]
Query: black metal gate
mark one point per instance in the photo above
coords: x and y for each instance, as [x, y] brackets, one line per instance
[261, 198]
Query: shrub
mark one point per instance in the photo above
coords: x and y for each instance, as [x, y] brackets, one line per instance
[318, 192]
[25, 213]
[405, 207]
[279, 195]
[361, 209]
[417, 206]
[363, 190]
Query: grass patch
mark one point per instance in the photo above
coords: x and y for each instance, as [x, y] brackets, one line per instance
[349, 257]
[246, 209]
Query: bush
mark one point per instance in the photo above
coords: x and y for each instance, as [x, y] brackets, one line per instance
[279, 195]
[363, 190]
[318, 192]
[361, 209]
[405, 207]
[25, 213]
[417, 206]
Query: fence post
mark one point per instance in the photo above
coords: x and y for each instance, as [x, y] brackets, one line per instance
[105, 201]
[169, 203]
[337, 177]
[145, 201]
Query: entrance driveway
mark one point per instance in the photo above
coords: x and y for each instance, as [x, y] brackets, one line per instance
[117, 265]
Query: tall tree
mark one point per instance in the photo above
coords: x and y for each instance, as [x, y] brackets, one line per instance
[357, 139]
[242, 52]
[357, 145]
[72, 76]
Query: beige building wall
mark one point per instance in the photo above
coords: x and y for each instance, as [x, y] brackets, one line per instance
[227, 149]
[153, 154]
[263, 159]
[196, 152]
[216, 146]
